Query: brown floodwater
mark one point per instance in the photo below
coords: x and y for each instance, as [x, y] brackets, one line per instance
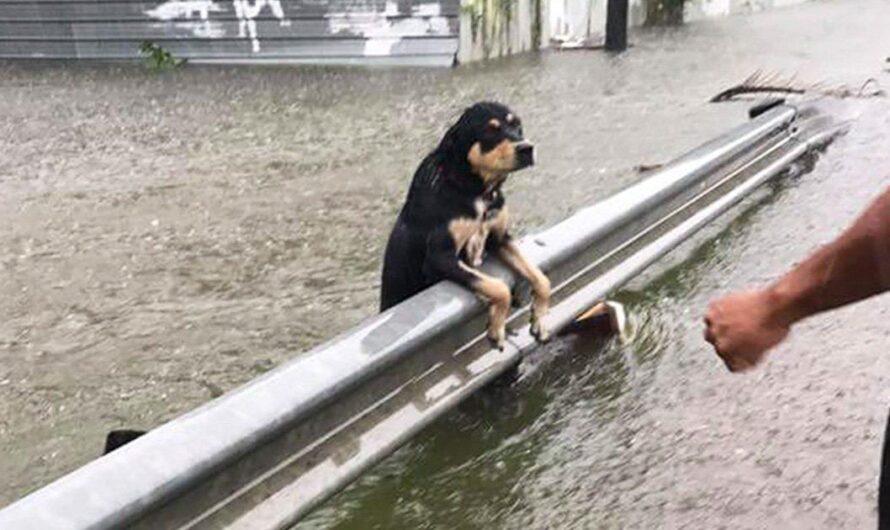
[164, 239]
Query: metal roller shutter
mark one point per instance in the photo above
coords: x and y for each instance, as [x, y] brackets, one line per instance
[277, 31]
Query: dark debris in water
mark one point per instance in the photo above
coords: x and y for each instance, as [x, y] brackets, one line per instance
[762, 83]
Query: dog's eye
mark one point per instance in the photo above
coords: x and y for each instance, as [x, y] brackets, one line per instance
[493, 126]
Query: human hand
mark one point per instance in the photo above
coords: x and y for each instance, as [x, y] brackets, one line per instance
[743, 326]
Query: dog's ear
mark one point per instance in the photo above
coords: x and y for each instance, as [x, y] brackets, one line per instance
[449, 140]
[455, 137]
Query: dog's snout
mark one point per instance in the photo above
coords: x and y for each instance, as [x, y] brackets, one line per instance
[525, 154]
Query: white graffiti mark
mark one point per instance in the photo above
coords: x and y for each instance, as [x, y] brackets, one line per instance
[248, 10]
[177, 10]
[180, 12]
[383, 32]
[174, 9]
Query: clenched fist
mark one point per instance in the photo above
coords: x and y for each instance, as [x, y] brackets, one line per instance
[744, 326]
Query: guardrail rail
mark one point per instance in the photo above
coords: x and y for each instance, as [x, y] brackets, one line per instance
[266, 453]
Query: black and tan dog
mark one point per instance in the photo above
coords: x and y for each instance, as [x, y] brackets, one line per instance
[455, 213]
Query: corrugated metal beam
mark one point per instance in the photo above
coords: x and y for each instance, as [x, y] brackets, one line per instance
[263, 455]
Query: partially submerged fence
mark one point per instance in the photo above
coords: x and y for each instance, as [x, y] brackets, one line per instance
[265, 454]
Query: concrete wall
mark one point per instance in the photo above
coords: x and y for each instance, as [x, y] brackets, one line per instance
[495, 28]
[579, 19]
[429, 32]
[701, 9]
[569, 20]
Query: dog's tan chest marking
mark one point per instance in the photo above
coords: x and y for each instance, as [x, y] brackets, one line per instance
[470, 234]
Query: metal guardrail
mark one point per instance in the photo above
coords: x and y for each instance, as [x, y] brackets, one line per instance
[265, 454]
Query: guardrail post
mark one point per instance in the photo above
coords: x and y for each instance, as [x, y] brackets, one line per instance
[616, 26]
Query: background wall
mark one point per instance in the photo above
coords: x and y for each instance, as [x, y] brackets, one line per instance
[411, 32]
[317, 31]
[581, 19]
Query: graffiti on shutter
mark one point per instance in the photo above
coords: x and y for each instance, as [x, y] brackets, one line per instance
[313, 31]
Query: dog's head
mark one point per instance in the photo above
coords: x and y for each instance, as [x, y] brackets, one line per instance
[488, 140]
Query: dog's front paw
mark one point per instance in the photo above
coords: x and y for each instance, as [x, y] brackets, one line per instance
[539, 330]
[497, 337]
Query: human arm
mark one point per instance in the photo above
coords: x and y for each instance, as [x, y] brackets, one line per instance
[744, 326]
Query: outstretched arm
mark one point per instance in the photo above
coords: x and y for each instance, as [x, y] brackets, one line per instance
[744, 326]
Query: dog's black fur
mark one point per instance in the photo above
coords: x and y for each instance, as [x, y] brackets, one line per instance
[120, 438]
[455, 209]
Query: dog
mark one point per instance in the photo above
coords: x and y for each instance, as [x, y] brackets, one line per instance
[455, 214]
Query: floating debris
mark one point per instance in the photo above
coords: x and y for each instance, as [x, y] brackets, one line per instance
[758, 83]
[595, 41]
[645, 168]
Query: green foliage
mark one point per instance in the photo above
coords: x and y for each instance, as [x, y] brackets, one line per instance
[489, 20]
[475, 9]
[157, 59]
[664, 12]
[536, 25]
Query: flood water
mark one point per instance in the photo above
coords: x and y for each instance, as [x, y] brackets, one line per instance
[164, 239]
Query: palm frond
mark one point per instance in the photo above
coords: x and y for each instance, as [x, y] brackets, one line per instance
[760, 82]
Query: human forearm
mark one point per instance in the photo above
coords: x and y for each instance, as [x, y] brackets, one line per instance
[854, 266]
[743, 326]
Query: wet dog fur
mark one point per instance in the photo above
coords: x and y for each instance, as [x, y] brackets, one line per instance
[455, 213]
